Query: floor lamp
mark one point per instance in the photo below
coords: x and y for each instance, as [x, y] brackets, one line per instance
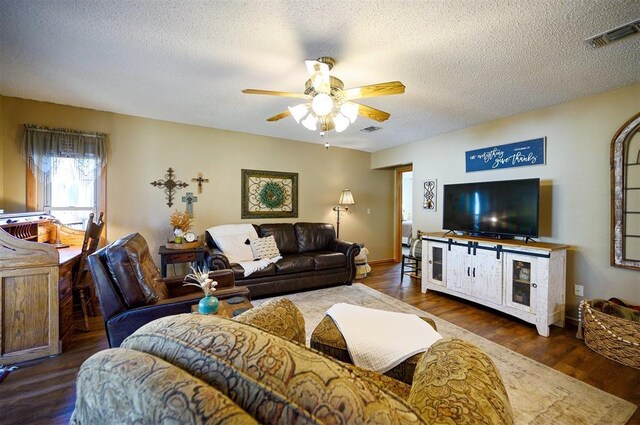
[346, 198]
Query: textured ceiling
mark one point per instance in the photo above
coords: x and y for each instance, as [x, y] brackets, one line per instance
[463, 62]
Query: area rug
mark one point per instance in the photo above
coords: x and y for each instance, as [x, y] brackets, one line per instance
[538, 394]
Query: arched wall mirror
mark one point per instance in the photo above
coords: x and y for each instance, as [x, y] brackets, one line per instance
[625, 195]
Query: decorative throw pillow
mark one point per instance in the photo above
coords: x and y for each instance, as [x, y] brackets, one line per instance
[264, 248]
[235, 248]
[415, 249]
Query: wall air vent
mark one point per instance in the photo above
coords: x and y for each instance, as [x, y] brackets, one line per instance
[614, 34]
[371, 129]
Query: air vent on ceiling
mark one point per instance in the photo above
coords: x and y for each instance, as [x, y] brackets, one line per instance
[371, 128]
[614, 34]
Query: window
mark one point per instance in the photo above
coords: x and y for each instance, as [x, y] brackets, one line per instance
[66, 174]
[71, 194]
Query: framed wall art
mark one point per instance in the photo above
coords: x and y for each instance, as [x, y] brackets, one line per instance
[269, 194]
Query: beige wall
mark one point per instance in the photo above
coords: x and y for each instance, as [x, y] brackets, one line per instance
[1, 153]
[141, 150]
[575, 207]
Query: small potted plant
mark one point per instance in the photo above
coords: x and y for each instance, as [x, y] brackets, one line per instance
[200, 278]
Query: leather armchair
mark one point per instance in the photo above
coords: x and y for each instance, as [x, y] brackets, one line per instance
[131, 292]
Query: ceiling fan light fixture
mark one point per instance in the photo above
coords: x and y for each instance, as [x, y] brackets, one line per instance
[350, 110]
[340, 122]
[327, 104]
[310, 123]
[299, 111]
[322, 104]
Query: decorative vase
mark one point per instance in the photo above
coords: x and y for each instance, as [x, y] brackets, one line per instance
[208, 305]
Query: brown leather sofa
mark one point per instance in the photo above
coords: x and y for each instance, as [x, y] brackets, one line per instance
[312, 257]
[132, 294]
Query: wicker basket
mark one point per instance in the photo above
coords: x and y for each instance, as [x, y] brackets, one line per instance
[615, 338]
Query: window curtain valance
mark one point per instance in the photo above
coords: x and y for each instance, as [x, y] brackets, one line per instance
[42, 146]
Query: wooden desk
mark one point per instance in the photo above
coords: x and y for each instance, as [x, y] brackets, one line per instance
[225, 309]
[35, 299]
[173, 256]
[67, 260]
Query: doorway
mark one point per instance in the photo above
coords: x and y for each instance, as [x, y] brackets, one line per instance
[403, 209]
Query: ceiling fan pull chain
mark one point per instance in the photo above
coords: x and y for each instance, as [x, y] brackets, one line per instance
[326, 141]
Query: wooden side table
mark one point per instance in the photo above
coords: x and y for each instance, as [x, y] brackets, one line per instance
[173, 256]
[225, 309]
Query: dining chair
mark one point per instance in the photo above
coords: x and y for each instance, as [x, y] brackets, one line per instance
[83, 288]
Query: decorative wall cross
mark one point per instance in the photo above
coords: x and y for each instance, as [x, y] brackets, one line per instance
[189, 199]
[169, 185]
[200, 180]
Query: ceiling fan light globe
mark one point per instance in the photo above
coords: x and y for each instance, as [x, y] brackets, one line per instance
[322, 104]
[350, 110]
[310, 123]
[299, 111]
[340, 122]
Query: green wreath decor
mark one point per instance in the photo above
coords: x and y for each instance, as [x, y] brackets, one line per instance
[272, 195]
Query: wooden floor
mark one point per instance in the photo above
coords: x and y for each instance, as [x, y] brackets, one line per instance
[43, 391]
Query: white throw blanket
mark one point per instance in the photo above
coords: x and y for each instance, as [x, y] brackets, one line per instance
[380, 340]
[232, 230]
[253, 266]
[236, 250]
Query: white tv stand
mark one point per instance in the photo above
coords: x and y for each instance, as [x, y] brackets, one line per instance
[525, 280]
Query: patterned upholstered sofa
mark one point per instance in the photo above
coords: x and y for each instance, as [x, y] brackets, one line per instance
[312, 257]
[194, 369]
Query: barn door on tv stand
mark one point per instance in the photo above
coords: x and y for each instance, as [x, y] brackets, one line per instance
[486, 272]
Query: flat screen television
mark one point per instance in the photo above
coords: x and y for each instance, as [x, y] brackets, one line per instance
[506, 208]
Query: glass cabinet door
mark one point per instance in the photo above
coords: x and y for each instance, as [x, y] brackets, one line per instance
[520, 282]
[435, 263]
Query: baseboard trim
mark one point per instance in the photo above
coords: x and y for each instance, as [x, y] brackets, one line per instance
[574, 321]
[384, 261]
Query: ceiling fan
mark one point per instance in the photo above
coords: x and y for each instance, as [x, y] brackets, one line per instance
[328, 105]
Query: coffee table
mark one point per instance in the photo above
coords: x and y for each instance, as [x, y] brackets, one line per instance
[225, 309]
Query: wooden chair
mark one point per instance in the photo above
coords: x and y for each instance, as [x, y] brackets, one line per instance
[410, 265]
[82, 281]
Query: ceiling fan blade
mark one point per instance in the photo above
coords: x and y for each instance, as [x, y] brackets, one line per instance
[276, 93]
[372, 113]
[381, 89]
[279, 116]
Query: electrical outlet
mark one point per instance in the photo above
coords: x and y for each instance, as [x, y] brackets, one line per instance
[579, 290]
[368, 210]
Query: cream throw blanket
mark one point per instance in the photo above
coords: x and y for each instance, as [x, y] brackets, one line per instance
[230, 238]
[251, 267]
[380, 340]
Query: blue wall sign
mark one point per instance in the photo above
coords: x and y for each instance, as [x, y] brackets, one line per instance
[521, 154]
